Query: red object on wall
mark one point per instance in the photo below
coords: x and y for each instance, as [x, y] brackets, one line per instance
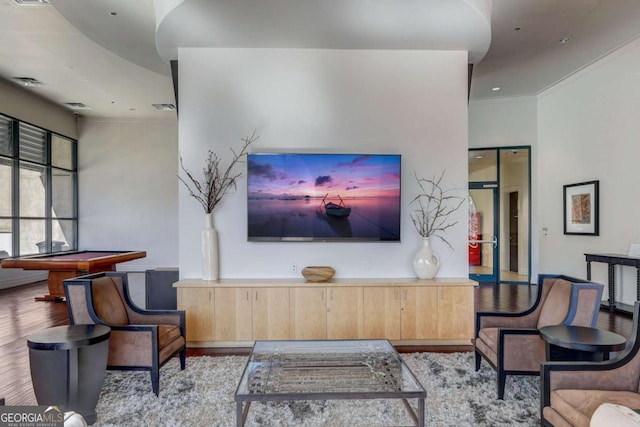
[475, 254]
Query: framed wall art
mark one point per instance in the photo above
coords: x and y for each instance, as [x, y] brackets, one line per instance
[581, 208]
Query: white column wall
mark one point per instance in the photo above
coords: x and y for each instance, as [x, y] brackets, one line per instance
[348, 101]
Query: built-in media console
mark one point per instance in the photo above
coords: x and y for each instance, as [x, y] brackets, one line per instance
[235, 312]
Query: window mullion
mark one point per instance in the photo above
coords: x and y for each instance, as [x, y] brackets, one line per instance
[48, 203]
[15, 183]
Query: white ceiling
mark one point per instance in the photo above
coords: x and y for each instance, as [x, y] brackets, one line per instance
[112, 54]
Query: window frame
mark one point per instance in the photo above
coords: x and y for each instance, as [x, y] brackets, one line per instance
[15, 161]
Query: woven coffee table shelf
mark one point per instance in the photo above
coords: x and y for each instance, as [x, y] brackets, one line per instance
[327, 370]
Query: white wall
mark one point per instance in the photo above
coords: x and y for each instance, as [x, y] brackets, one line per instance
[408, 102]
[129, 189]
[503, 122]
[25, 105]
[584, 128]
[589, 130]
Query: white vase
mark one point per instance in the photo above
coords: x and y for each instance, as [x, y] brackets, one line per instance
[209, 250]
[426, 262]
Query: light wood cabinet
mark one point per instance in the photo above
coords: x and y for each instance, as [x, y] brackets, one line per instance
[455, 312]
[199, 311]
[236, 312]
[381, 312]
[344, 313]
[233, 319]
[419, 313]
[270, 311]
[308, 313]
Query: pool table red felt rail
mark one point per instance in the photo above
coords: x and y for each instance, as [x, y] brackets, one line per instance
[65, 265]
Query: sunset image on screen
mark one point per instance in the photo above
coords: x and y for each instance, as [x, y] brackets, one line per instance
[323, 196]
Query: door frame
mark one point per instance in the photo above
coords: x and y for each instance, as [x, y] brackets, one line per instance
[498, 151]
[495, 273]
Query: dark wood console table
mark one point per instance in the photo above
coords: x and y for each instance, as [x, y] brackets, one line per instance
[612, 260]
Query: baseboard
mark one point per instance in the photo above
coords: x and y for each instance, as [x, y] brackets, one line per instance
[11, 279]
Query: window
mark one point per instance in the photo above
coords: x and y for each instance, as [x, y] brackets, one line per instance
[38, 190]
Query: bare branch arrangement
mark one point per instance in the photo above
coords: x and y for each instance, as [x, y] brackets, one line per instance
[434, 205]
[216, 183]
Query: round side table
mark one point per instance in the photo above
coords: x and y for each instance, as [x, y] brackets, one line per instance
[579, 343]
[68, 365]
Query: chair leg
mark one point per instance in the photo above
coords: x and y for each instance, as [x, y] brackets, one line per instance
[502, 379]
[183, 357]
[155, 381]
[478, 360]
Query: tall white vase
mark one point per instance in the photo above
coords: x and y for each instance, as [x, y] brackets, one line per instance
[426, 262]
[209, 250]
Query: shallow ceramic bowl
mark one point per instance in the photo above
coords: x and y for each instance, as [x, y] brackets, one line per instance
[318, 273]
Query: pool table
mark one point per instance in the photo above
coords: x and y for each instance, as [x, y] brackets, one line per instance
[65, 265]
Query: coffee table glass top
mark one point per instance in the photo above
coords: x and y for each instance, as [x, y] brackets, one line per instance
[344, 369]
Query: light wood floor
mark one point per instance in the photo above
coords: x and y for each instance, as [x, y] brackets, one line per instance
[21, 316]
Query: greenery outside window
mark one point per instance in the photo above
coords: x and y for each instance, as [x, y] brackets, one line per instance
[38, 190]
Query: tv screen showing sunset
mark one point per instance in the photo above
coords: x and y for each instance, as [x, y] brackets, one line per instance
[323, 197]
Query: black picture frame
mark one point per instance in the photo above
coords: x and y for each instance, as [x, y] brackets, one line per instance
[581, 208]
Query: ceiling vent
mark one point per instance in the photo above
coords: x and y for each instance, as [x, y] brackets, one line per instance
[164, 107]
[27, 81]
[77, 106]
[33, 2]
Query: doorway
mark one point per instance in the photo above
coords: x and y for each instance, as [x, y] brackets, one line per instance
[500, 252]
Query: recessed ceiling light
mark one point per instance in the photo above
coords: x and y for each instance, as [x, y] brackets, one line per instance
[77, 106]
[479, 157]
[495, 89]
[564, 40]
[164, 107]
[33, 2]
[28, 81]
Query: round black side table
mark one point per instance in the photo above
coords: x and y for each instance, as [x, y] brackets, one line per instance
[68, 365]
[579, 343]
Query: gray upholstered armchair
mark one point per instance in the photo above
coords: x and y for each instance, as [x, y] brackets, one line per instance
[511, 342]
[570, 392]
[140, 339]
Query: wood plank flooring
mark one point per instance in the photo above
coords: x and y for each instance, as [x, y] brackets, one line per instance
[21, 316]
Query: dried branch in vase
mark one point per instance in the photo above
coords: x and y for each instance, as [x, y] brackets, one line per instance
[434, 206]
[216, 183]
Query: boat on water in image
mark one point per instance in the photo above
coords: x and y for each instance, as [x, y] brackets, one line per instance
[334, 209]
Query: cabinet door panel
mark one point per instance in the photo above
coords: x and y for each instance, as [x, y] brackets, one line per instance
[419, 313]
[233, 314]
[270, 313]
[199, 312]
[344, 313]
[308, 313]
[455, 312]
[381, 313]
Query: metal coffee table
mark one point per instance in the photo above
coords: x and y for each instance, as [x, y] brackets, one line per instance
[327, 370]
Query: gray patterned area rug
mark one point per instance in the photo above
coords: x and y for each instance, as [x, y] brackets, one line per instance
[202, 395]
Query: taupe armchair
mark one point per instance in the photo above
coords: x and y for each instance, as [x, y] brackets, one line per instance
[140, 339]
[570, 392]
[511, 342]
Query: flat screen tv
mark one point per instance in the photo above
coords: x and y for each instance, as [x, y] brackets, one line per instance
[323, 197]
